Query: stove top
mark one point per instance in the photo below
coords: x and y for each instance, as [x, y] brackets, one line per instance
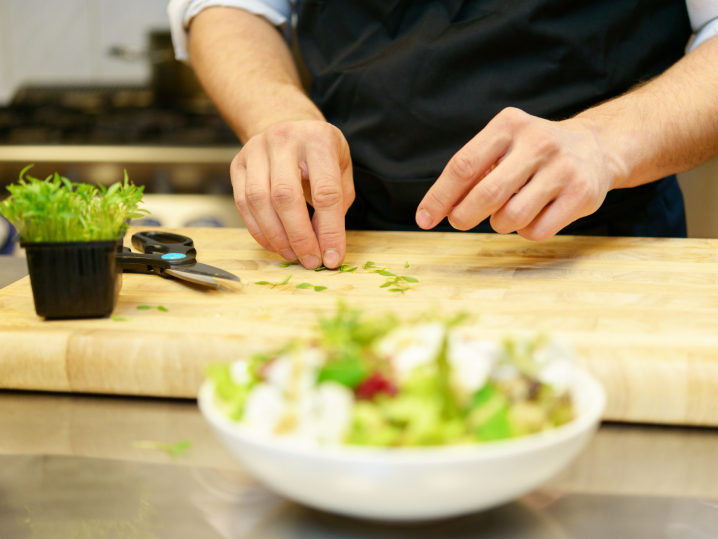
[108, 115]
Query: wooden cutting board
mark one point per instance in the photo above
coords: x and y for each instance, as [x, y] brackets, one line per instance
[642, 313]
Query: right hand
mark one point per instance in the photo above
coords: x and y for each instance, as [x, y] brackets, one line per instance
[281, 168]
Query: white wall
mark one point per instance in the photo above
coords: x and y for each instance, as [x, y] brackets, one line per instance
[53, 41]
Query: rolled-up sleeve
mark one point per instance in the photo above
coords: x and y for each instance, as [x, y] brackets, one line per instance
[181, 12]
[704, 20]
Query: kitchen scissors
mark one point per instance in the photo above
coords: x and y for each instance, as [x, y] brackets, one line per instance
[170, 256]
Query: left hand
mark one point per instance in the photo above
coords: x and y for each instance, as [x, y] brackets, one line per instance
[530, 175]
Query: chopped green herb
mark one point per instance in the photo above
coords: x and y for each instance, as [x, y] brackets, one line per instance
[321, 268]
[284, 281]
[143, 307]
[307, 285]
[397, 290]
[286, 265]
[173, 450]
[120, 319]
[163, 309]
[386, 273]
[369, 264]
[406, 265]
[409, 279]
[388, 283]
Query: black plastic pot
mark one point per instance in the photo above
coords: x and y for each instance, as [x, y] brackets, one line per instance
[74, 279]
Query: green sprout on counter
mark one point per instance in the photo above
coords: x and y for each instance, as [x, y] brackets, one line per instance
[285, 281]
[174, 450]
[307, 285]
[148, 307]
[406, 265]
[120, 318]
[398, 282]
[58, 210]
[287, 264]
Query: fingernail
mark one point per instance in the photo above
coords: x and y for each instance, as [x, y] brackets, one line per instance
[289, 254]
[310, 262]
[331, 258]
[423, 218]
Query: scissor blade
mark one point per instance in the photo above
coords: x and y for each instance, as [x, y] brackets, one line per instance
[209, 271]
[196, 278]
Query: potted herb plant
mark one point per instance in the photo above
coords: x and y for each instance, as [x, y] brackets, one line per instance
[71, 233]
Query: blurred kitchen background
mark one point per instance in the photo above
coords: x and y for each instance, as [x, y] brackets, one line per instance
[90, 87]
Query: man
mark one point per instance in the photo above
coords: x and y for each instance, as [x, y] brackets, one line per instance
[527, 116]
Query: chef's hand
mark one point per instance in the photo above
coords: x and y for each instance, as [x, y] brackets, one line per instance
[530, 175]
[280, 168]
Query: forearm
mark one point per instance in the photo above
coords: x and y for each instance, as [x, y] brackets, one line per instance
[665, 126]
[247, 69]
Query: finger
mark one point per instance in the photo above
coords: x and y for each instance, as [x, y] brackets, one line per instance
[552, 219]
[494, 190]
[238, 175]
[287, 199]
[522, 208]
[325, 178]
[468, 166]
[257, 193]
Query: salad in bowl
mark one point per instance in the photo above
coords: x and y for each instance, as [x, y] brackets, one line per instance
[384, 419]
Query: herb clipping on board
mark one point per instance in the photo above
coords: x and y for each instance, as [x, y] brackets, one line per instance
[176, 449]
[307, 285]
[284, 281]
[58, 210]
[148, 307]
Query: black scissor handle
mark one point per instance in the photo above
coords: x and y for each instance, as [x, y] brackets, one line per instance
[163, 242]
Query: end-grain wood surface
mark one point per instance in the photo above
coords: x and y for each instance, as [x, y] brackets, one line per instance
[642, 313]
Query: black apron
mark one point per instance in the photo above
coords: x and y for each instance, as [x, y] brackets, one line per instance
[409, 82]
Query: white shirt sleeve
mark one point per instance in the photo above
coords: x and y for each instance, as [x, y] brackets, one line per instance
[704, 21]
[181, 12]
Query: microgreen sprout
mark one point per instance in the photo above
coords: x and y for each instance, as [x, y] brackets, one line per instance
[287, 264]
[399, 283]
[321, 268]
[369, 264]
[120, 319]
[307, 285]
[284, 281]
[173, 450]
[406, 265]
[58, 210]
[148, 307]
[344, 268]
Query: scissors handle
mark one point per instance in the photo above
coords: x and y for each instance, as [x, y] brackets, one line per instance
[158, 251]
[163, 242]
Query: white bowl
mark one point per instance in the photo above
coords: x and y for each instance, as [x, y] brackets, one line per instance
[409, 484]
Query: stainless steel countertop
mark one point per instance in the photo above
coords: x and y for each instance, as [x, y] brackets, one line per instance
[68, 469]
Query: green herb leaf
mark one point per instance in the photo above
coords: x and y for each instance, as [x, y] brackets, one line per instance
[409, 279]
[349, 372]
[304, 285]
[143, 307]
[163, 309]
[321, 268]
[386, 273]
[286, 265]
[406, 265]
[262, 282]
[387, 284]
[173, 450]
[369, 264]
[397, 290]
[285, 280]
[120, 319]
[319, 288]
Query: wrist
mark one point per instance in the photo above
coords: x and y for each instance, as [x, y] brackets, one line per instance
[289, 105]
[615, 147]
